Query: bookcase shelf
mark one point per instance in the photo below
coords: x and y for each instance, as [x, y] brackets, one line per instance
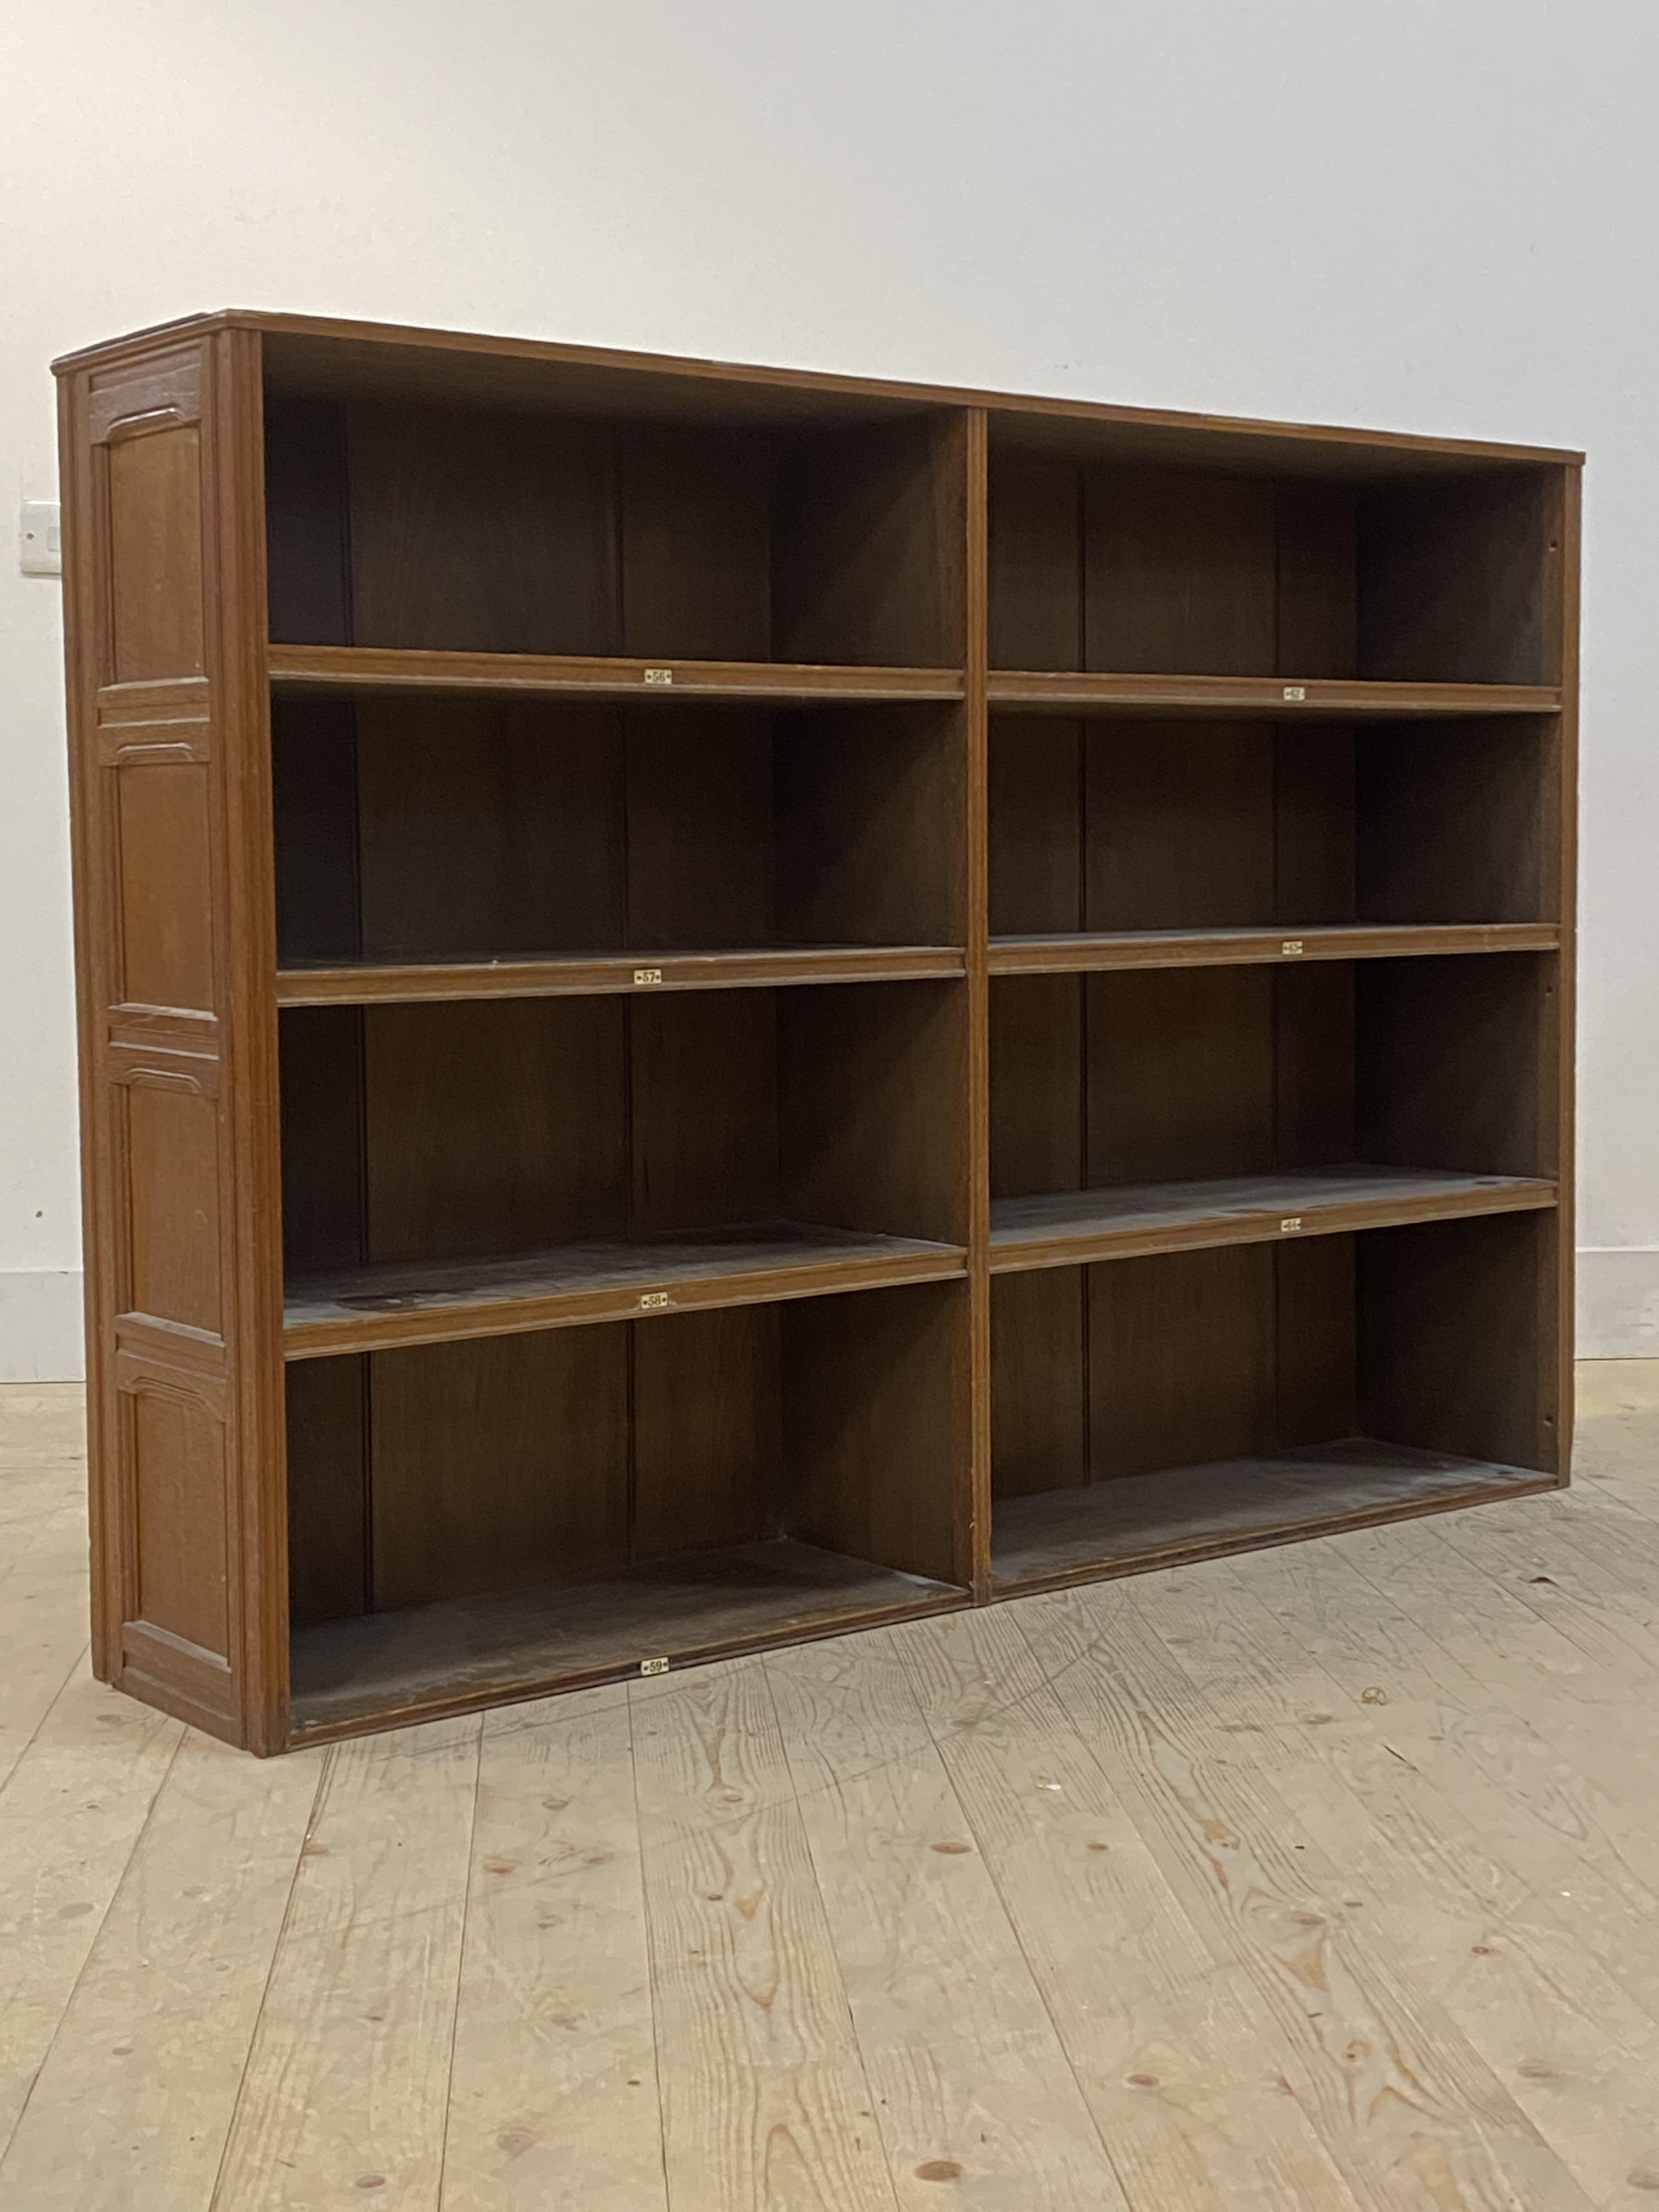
[1063, 952]
[342, 671]
[1064, 1228]
[349, 982]
[719, 1004]
[372, 1308]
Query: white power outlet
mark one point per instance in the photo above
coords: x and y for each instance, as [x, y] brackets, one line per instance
[39, 540]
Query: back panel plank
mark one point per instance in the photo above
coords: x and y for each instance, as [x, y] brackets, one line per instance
[497, 1464]
[1039, 1381]
[1181, 1073]
[1180, 574]
[1182, 1360]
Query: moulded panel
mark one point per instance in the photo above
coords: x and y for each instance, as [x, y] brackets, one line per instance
[155, 491]
[178, 1489]
[172, 1201]
[1039, 1381]
[708, 1430]
[497, 1463]
[166, 915]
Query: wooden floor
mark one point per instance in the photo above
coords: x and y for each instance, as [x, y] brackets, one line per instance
[1326, 1877]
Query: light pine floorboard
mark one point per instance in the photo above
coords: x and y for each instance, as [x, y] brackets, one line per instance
[1321, 1880]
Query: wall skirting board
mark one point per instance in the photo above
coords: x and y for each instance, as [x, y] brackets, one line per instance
[40, 1314]
[41, 1325]
[1617, 1301]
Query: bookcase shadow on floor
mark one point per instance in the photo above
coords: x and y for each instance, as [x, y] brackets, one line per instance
[719, 1004]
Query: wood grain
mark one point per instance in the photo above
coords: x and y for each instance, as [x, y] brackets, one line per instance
[553, 2091]
[928, 1958]
[349, 2071]
[179, 1965]
[772, 2104]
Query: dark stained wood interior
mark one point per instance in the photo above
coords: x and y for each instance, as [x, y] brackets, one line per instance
[1100, 566]
[1206, 1368]
[412, 828]
[717, 1003]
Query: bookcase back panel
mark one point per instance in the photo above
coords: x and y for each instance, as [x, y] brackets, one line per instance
[432, 828]
[1169, 570]
[1153, 1075]
[408, 526]
[467, 1129]
[1148, 1076]
[834, 1421]
[1133, 1366]
[1116, 825]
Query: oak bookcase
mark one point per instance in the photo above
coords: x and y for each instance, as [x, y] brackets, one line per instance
[718, 1004]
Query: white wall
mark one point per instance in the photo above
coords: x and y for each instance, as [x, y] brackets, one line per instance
[1428, 215]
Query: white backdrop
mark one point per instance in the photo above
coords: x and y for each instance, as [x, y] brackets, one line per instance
[1423, 215]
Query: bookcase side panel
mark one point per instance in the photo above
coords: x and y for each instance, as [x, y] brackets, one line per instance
[170, 791]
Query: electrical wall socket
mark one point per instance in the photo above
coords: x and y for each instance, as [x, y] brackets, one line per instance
[39, 544]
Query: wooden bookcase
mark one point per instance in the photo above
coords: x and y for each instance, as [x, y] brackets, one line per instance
[718, 1005]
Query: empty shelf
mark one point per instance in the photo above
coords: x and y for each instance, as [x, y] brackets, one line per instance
[392, 1665]
[1262, 697]
[353, 668]
[1070, 1228]
[366, 982]
[1078, 952]
[1155, 1520]
[374, 1307]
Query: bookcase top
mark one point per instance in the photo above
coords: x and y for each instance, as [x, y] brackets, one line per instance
[342, 358]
